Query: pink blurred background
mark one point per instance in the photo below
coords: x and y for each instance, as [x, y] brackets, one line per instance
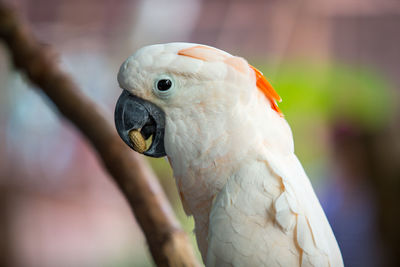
[336, 64]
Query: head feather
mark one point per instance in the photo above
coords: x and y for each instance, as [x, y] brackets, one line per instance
[211, 54]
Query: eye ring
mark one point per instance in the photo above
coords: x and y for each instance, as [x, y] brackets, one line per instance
[163, 86]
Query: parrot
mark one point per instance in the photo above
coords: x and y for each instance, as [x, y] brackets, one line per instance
[216, 119]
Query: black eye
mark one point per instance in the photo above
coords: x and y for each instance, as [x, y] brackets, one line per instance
[164, 84]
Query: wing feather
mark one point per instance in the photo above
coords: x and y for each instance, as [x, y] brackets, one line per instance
[299, 203]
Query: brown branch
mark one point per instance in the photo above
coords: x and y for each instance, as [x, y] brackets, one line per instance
[168, 243]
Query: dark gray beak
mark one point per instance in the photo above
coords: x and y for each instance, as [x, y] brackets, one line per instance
[134, 113]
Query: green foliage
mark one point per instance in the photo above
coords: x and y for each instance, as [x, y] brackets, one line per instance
[334, 92]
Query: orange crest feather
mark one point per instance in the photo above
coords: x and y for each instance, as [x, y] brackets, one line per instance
[267, 89]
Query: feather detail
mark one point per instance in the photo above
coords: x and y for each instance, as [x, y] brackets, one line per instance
[204, 53]
[284, 216]
[211, 54]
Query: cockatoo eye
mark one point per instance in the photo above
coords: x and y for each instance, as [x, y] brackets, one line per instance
[164, 86]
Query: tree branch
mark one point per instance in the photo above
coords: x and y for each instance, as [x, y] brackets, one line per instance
[168, 243]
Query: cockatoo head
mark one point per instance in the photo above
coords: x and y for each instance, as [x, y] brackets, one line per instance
[185, 96]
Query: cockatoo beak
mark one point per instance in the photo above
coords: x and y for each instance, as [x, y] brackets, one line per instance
[137, 120]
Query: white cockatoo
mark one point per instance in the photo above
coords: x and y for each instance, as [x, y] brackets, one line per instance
[216, 119]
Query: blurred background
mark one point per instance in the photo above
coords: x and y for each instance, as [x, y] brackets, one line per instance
[336, 65]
